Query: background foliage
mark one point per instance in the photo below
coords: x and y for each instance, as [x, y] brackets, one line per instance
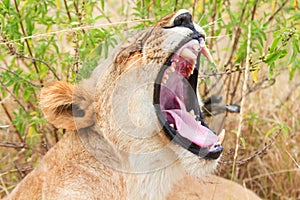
[44, 41]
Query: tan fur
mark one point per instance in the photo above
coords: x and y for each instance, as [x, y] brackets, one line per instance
[211, 187]
[116, 148]
[68, 171]
[56, 103]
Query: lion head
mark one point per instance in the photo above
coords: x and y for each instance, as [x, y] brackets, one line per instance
[142, 103]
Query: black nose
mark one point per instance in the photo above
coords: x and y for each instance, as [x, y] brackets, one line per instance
[184, 19]
[214, 153]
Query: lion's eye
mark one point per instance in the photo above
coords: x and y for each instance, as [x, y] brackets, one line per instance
[183, 20]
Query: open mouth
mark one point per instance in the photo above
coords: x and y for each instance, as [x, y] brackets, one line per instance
[177, 105]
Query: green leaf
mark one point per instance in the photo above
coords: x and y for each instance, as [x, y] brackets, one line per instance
[102, 4]
[16, 89]
[274, 44]
[7, 4]
[293, 56]
[29, 26]
[272, 130]
[286, 129]
[243, 142]
[272, 57]
[240, 137]
[271, 70]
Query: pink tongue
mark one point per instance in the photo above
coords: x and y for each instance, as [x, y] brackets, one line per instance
[189, 128]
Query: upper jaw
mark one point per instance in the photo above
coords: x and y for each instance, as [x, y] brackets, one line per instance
[176, 102]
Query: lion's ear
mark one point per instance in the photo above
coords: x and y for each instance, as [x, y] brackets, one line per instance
[67, 106]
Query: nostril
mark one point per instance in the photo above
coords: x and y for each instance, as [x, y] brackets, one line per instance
[198, 36]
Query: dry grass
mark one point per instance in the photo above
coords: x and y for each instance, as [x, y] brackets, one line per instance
[275, 174]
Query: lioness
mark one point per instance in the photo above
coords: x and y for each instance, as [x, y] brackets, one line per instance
[136, 127]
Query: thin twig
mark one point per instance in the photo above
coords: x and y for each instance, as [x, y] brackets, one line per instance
[79, 14]
[26, 40]
[235, 89]
[10, 47]
[77, 63]
[15, 98]
[175, 6]
[254, 155]
[41, 61]
[259, 85]
[254, 10]
[67, 9]
[104, 15]
[13, 51]
[16, 170]
[4, 186]
[194, 7]
[213, 19]
[19, 170]
[19, 145]
[214, 73]
[11, 121]
[244, 91]
[80, 28]
[289, 94]
[277, 11]
[5, 110]
[20, 77]
[293, 159]
[14, 145]
[233, 50]
[236, 36]
[271, 173]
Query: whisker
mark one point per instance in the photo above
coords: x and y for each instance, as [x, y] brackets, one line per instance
[199, 21]
[217, 37]
[212, 23]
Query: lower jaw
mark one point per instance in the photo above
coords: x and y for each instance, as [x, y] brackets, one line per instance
[195, 166]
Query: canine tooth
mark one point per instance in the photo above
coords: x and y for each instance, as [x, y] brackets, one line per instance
[187, 53]
[191, 73]
[172, 125]
[221, 136]
[173, 66]
[205, 52]
[171, 69]
[192, 112]
[191, 70]
[165, 78]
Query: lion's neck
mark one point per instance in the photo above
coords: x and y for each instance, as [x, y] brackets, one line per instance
[153, 185]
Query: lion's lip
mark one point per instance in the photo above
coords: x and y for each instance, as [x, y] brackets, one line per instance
[178, 107]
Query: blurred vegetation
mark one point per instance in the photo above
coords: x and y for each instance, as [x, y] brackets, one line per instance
[44, 41]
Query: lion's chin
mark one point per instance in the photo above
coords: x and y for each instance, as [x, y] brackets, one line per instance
[193, 165]
[177, 104]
